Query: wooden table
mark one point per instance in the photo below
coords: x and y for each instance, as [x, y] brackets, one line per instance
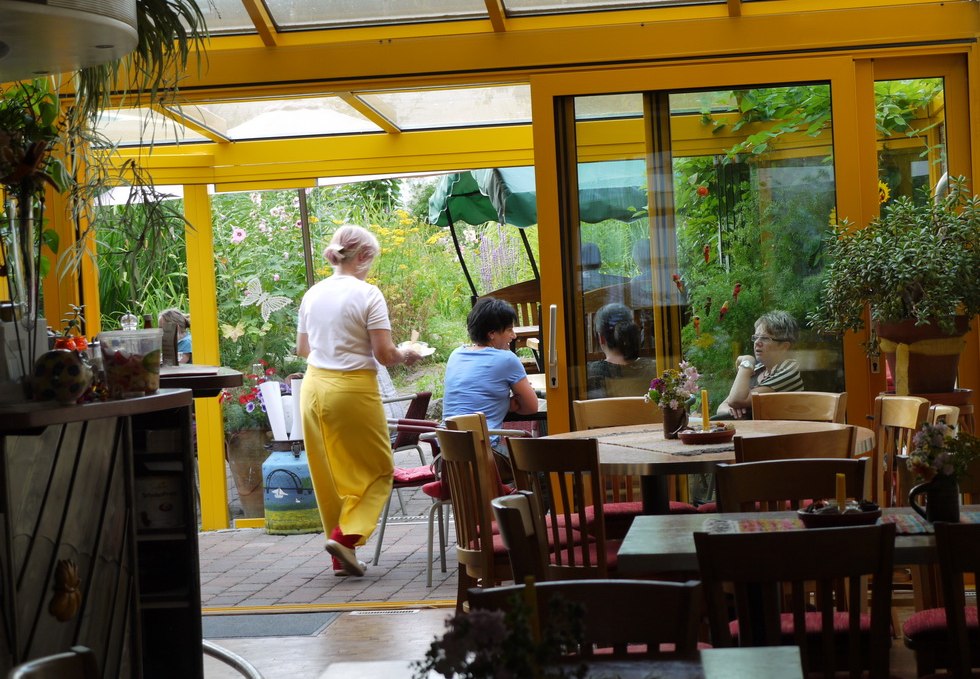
[204, 380]
[666, 543]
[641, 450]
[773, 662]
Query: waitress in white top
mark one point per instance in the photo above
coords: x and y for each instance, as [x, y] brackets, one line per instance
[344, 332]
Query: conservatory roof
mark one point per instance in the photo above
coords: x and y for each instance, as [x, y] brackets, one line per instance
[294, 69]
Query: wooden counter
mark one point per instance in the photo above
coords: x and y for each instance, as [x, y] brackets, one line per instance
[98, 498]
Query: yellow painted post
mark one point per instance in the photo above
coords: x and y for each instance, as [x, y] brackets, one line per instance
[204, 339]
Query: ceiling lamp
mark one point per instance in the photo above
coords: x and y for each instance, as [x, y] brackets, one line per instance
[55, 36]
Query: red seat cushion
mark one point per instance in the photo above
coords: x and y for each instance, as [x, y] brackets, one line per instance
[814, 623]
[612, 555]
[413, 476]
[929, 627]
[708, 508]
[682, 508]
[437, 490]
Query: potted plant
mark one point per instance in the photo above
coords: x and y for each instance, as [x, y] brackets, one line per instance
[46, 141]
[913, 270]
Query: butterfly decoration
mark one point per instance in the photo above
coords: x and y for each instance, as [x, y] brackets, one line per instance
[737, 289]
[268, 303]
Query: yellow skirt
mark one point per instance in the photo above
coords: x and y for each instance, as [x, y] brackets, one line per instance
[346, 438]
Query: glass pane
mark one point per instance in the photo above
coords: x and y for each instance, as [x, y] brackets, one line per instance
[737, 233]
[429, 109]
[226, 17]
[911, 122]
[136, 126]
[524, 7]
[275, 118]
[304, 14]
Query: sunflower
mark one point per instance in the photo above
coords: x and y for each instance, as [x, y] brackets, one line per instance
[883, 192]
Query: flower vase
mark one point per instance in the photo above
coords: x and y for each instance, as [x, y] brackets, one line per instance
[942, 499]
[675, 419]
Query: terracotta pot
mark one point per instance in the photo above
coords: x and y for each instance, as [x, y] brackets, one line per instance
[933, 357]
[246, 451]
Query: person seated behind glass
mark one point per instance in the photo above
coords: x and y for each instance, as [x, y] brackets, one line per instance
[591, 263]
[769, 369]
[620, 340]
[486, 376]
[182, 324]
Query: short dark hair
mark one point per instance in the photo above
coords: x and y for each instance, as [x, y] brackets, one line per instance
[487, 315]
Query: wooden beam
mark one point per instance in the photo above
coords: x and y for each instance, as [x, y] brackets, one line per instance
[263, 22]
[498, 17]
[734, 8]
[369, 112]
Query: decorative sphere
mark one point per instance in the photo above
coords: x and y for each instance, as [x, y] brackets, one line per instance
[60, 375]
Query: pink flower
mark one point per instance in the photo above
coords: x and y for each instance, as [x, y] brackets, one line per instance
[275, 277]
[238, 235]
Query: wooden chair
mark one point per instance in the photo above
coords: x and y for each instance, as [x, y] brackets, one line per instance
[760, 567]
[525, 297]
[949, 637]
[623, 501]
[778, 485]
[473, 482]
[837, 442]
[77, 663]
[948, 415]
[563, 475]
[896, 420]
[812, 406]
[522, 536]
[623, 618]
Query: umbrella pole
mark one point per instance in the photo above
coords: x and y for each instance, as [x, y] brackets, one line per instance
[530, 255]
[459, 254]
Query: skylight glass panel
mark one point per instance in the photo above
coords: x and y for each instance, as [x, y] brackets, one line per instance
[307, 14]
[457, 107]
[224, 17]
[143, 127]
[528, 7]
[280, 118]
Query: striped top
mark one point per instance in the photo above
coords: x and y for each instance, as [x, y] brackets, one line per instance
[785, 376]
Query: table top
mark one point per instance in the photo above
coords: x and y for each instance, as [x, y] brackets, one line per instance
[773, 662]
[203, 380]
[657, 543]
[641, 450]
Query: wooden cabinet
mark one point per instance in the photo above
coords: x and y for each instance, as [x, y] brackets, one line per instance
[99, 535]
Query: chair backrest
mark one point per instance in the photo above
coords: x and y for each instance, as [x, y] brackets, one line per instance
[958, 546]
[835, 442]
[417, 408]
[592, 301]
[614, 613]
[525, 297]
[520, 531]
[896, 420]
[77, 663]
[563, 475]
[812, 406]
[948, 415]
[617, 411]
[770, 574]
[777, 485]
[473, 481]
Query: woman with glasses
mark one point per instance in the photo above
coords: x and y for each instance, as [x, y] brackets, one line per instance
[769, 369]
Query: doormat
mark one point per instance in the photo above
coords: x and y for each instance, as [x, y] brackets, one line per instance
[266, 625]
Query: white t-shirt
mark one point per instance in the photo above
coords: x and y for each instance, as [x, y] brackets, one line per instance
[337, 314]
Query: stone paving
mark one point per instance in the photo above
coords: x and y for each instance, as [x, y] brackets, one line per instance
[249, 568]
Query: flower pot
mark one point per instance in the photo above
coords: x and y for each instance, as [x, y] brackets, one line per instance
[942, 499]
[246, 451]
[922, 358]
[675, 419]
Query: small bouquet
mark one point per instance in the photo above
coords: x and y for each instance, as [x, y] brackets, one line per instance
[938, 450]
[675, 387]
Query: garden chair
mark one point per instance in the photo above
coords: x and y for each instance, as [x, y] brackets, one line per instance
[949, 637]
[812, 406]
[760, 568]
[620, 618]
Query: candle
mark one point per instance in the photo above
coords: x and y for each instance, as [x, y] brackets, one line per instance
[841, 491]
[705, 417]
